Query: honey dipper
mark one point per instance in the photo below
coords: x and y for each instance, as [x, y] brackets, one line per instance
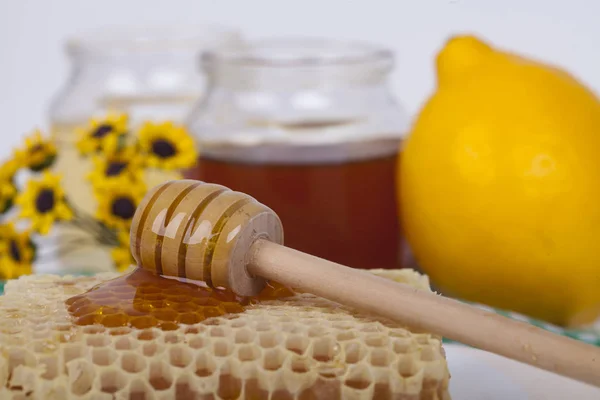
[199, 231]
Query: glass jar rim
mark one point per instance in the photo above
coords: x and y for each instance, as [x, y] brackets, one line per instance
[152, 38]
[304, 52]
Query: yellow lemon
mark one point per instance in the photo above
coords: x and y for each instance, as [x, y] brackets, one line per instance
[499, 184]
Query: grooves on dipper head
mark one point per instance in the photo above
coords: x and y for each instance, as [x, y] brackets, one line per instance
[142, 222]
[216, 233]
[159, 238]
[194, 216]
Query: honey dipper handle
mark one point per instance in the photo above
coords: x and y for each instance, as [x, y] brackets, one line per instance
[425, 310]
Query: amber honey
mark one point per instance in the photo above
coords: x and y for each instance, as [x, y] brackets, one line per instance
[142, 300]
[344, 212]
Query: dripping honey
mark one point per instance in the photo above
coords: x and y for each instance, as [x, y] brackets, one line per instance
[144, 300]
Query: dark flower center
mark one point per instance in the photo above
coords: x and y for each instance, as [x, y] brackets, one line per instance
[15, 252]
[102, 131]
[163, 148]
[115, 168]
[123, 207]
[36, 148]
[44, 201]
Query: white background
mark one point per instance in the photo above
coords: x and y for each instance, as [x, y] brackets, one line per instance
[32, 33]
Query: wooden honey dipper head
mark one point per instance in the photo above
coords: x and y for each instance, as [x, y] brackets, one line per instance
[202, 231]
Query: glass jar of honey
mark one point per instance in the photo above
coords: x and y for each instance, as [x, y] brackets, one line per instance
[309, 127]
[148, 73]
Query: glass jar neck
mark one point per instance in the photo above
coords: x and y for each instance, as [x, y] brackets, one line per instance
[130, 72]
[296, 78]
[148, 73]
[298, 64]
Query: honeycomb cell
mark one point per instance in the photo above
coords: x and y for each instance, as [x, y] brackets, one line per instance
[325, 349]
[161, 377]
[180, 356]
[217, 332]
[403, 346]
[143, 321]
[193, 330]
[380, 357]
[273, 359]
[140, 389]
[297, 344]
[81, 375]
[115, 320]
[197, 342]
[73, 351]
[50, 367]
[148, 334]
[428, 353]
[183, 389]
[222, 348]
[120, 331]
[89, 319]
[190, 318]
[407, 366]
[205, 365]
[300, 365]
[263, 326]
[253, 390]
[168, 325]
[124, 343]
[359, 377]
[244, 336]
[354, 352]
[133, 362]
[173, 338]
[98, 340]
[378, 340]
[399, 333]
[103, 356]
[230, 386]
[152, 348]
[268, 340]
[45, 346]
[112, 381]
[239, 323]
[248, 353]
[346, 335]
[317, 331]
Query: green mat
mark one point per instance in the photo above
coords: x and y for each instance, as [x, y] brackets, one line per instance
[590, 335]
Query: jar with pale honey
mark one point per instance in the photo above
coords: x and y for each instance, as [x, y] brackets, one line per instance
[147, 73]
[309, 127]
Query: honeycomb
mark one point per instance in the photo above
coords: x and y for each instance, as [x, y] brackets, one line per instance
[300, 347]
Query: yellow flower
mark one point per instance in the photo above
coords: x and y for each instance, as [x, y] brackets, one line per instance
[105, 135]
[43, 201]
[167, 146]
[8, 190]
[39, 153]
[17, 252]
[122, 254]
[123, 166]
[117, 203]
